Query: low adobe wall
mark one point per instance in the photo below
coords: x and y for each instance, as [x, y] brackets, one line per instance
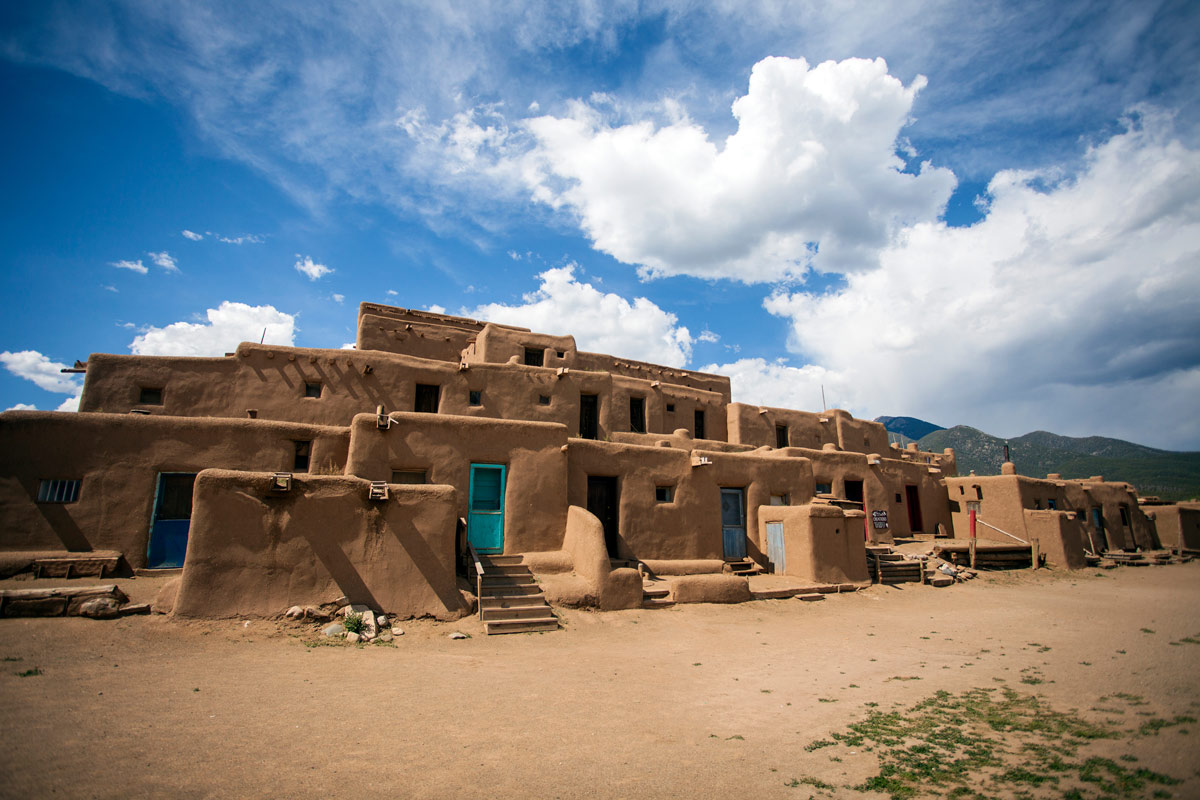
[822, 543]
[1060, 536]
[1176, 525]
[256, 552]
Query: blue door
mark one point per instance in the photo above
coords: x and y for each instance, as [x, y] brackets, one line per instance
[733, 522]
[172, 519]
[485, 515]
[775, 550]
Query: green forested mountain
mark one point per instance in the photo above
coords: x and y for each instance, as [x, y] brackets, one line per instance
[1168, 474]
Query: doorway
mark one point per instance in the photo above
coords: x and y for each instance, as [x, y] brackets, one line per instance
[733, 523]
[602, 501]
[485, 508]
[913, 498]
[172, 520]
[589, 416]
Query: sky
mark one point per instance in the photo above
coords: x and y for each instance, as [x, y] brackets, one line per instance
[982, 213]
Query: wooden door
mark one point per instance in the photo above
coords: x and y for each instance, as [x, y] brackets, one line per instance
[733, 523]
[602, 502]
[172, 520]
[485, 517]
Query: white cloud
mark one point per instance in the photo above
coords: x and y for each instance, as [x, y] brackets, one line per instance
[226, 326]
[810, 177]
[339, 298]
[600, 322]
[110, 288]
[135, 266]
[195, 237]
[757, 381]
[1071, 306]
[22, 407]
[313, 271]
[164, 260]
[349, 346]
[46, 374]
[392, 292]
[436, 309]
[72, 402]
[708, 336]
[249, 238]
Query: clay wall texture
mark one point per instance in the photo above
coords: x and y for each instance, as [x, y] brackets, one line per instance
[822, 543]
[1176, 525]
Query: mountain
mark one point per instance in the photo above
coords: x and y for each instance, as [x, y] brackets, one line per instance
[1170, 475]
[909, 427]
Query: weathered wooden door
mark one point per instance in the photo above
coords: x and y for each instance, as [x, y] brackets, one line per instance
[913, 498]
[485, 516]
[733, 522]
[602, 501]
[775, 548]
[171, 520]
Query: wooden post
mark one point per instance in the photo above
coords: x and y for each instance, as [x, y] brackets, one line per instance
[1034, 546]
[972, 543]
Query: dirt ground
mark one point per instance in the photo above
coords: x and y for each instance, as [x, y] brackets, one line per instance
[692, 701]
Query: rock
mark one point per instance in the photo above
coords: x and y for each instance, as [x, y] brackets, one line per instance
[369, 630]
[397, 630]
[458, 635]
[353, 637]
[134, 608]
[333, 630]
[382, 621]
[295, 612]
[341, 612]
[316, 614]
[100, 608]
[385, 637]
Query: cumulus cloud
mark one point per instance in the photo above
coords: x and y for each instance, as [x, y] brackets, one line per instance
[1071, 305]
[338, 298]
[45, 374]
[601, 322]
[164, 260]
[134, 266]
[310, 269]
[195, 237]
[22, 407]
[810, 178]
[708, 336]
[225, 327]
[248, 238]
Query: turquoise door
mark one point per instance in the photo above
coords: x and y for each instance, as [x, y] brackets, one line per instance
[172, 520]
[485, 517]
[733, 523]
[775, 547]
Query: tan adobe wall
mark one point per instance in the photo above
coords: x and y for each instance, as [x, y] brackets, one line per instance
[1111, 497]
[946, 460]
[1060, 537]
[419, 339]
[822, 545]
[1001, 503]
[681, 439]
[535, 499]
[118, 459]
[398, 314]
[755, 426]
[254, 552]
[1176, 525]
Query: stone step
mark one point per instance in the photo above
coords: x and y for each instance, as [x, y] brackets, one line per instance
[548, 623]
[508, 580]
[772, 594]
[657, 591]
[811, 597]
[511, 600]
[533, 611]
[511, 590]
[501, 561]
[657, 602]
[889, 556]
[507, 570]
[941, 580]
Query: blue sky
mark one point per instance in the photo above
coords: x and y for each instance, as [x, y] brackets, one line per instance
[985, 213]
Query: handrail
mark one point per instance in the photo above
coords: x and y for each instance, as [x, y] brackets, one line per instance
[1006, 533]
[478, 577]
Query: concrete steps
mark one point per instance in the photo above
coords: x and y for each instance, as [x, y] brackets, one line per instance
[655, 595]
[510, 600]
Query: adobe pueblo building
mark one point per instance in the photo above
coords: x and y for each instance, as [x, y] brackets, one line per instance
[446, 458]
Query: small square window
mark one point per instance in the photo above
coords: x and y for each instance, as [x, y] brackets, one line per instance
[409, 476]
[312, 389]
[150, 396]
[534, 356]
[898, 500]
[561, 353]
[58, 491]
[475, 397]
[671, 408]
[1037, 504]
[1052, 504]
[427, 398]
[543, 399]
[780, 500]
[781, 435]
[664, 494]
[824, 488]
[978, 492]
[303, 453]
[962, 490]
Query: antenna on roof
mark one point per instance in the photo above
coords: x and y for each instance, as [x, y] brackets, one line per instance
[824, 405]
[264, 336]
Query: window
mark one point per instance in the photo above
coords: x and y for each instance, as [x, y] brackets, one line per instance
[534, 356]
[978, 492]
[303, 454]
[1052, 504]
[854, 491]
[898, 500]
[824, 488]
[637, 414]
[962, 490]
[561, 353]
[670, 408]
[409, 476]
[699, 427]
[427, 398]
[58, 491]
[475, 397]
[1125, 515]
[543, 399]
[1037, 504]
[149, 396]
[781, 435]
[780, 500]
[664, 494]
[312, 389]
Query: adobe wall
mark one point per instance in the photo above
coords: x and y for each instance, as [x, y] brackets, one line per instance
[535, 504]
[1176, 525]
[1111, 497]
[1060, 537]
[270, 381]
[946, 460]
[822, 543]
[118, 458]
[414, 338]
[254, 552]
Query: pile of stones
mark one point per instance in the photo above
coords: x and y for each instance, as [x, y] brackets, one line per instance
[375, 627]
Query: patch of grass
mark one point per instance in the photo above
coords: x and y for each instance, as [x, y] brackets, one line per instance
[1147, 630]
[904, 678]
[806, 781]
[826, 699]
[29, 673]
[765, 691]
[817, 745]
[736, 736]
[1153, 726]
[13, 658]
[353, 622]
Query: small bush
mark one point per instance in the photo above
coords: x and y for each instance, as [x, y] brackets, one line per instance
[353, 622]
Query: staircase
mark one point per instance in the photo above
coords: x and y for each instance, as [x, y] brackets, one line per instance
[656, 594]
[889, 568]
[510, 600]
[744, 567]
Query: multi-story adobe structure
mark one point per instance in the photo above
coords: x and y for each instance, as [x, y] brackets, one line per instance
[284, 475]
